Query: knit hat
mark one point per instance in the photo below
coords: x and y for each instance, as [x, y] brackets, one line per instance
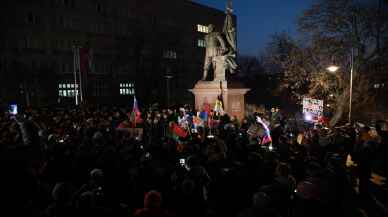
[152, 199]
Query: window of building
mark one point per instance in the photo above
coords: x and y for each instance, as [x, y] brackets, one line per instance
[99, 8]
[99, 88]
[201, 43]
[32, 19]
[127, 89]
[61, 21]
[27, 42]
[202, 28]
[169, 54]
[69, 23]
[67, 89]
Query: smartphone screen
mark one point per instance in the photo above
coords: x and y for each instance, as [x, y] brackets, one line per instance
[13, 109]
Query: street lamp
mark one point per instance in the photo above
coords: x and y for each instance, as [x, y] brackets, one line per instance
[333, 69]
[168, 77]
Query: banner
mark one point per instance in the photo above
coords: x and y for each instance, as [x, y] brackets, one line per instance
[312, 109]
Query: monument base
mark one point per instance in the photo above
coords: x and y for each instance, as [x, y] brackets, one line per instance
[208, 91]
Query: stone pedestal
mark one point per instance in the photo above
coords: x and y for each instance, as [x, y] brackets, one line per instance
[208, 91]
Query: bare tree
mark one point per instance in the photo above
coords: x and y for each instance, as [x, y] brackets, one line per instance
[332, 28]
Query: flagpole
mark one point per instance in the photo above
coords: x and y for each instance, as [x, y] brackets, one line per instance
[134, 101]
[210, 124]
[80, 74]
[133, 108]
[75, 77]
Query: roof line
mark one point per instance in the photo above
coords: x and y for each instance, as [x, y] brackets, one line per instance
[202, 5]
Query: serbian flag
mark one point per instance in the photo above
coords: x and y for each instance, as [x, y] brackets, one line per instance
[135, 115]
[179, 131]
[204, 116]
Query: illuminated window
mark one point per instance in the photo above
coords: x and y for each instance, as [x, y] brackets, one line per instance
[201, 43]
[202, 28]
[378, 86]
[127, 89]
[169, 54]
[67, 89]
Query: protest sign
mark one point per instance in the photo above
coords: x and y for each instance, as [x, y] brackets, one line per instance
[312, 109]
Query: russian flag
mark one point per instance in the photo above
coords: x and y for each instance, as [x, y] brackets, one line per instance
[135, 116]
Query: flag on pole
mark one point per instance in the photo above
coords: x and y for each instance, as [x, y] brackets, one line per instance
[206, 107]
[206, 110]
[82, 66]
[178, 131]
[267, 132]
[198, 121]
[135, 116]
[218, 107]
[86, 58]
[204, 116]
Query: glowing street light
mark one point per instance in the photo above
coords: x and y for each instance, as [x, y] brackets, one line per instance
[333, 68]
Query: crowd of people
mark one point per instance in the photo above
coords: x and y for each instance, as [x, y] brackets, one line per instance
[92, 162]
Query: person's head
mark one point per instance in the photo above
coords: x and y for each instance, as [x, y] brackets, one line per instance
[365, 129]
[380, 126]
[313, 169]
[98, 138]
[61, 193]
[152, 199]
[210, 27]
[283, 170]
[96, 177]
[188, 186]
[192, 161]
[260, 200]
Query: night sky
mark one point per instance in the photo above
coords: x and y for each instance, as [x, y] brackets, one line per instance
[259, 19]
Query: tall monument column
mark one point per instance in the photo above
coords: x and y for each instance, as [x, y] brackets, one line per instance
[220, 58]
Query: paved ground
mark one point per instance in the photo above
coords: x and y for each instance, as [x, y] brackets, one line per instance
[379, 190]
[377, 204]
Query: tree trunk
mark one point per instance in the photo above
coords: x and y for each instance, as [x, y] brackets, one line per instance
[341, 105]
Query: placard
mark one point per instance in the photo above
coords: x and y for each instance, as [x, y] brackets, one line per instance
[312, 108]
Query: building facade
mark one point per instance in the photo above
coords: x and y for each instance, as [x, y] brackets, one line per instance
[154, 49]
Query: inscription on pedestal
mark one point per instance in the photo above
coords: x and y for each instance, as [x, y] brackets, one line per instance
[236, 107]
[234, 103]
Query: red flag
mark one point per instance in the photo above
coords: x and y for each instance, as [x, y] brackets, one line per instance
[123, 125]
[135, 115]
[206, 107]
[179, 131]
[85, 59]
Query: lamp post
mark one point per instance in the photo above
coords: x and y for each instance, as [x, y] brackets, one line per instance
[168, 77]
[333, 69]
